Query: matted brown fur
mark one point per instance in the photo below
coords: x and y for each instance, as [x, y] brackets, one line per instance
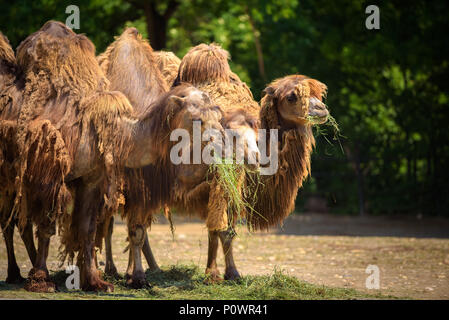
[10, 101]
[64, 96]
[130, 65]
[168, 63]
[276, 199]
[207, 68]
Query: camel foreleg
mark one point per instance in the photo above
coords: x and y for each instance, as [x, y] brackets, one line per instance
[226, 238]
[38, 278]
[136, 234]
[211, 269]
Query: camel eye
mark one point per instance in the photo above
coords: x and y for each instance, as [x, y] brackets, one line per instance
[292, 97]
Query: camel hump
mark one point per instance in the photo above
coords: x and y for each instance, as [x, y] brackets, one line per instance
[131, 31]
[57, 29]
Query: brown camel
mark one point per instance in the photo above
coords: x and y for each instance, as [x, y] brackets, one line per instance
[207, 67]
[131, 53]
[292, 105]
[134, 68]
[10, 99]
[66, 89]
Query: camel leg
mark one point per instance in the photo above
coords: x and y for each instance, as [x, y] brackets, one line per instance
[226, 238]
[13, 269]
[148, 253]
[211, 268]
[130, 268]
[87, 208]
[110, 268]
[28, 240]
[136, 236]
[38, 278]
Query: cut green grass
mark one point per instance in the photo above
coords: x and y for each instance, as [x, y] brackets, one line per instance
[332, 123]
[187, 282]
[240, 200]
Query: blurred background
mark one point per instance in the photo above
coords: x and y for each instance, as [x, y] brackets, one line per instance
[388, 88]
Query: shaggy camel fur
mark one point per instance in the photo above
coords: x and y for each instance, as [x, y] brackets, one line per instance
[10, 100]
[168, 63]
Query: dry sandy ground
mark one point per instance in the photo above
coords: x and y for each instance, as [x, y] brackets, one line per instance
[412, 254]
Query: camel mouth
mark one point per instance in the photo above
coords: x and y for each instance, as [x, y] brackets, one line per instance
[317, 119]
[318, 113]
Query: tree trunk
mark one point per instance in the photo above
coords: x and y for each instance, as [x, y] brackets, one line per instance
[156, 27]
[156, 22]
[256, 35]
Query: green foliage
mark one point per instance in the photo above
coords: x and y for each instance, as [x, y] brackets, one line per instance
[388, 88]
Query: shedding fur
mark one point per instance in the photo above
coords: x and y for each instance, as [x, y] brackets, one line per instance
[168, 63]
[131, 67]
[11, 87]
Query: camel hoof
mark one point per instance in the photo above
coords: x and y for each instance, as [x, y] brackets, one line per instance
[232, 274]
[212, 276]
[100, 286]
[39, 281]
[14, 277]
[138, 281]
[40, 286]
[112, 273]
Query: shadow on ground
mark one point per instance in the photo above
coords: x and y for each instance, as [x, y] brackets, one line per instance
[370, 226]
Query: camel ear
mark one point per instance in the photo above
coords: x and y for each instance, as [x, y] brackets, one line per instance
[269, 91]
[176, 100]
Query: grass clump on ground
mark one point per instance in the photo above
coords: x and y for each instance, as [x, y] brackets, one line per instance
[187, 282]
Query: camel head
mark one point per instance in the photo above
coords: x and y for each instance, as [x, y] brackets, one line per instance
[194, 105]
[179, 113]
[297, 100]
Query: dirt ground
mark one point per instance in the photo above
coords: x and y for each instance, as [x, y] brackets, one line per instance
[412, 254]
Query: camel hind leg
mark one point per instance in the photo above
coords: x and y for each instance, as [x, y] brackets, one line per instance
[148, 253]
[87, 208]
[28, 240]
[136, 236]
[110, 268]
[13, 269]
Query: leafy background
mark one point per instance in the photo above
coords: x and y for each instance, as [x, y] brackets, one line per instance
[388, 88]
